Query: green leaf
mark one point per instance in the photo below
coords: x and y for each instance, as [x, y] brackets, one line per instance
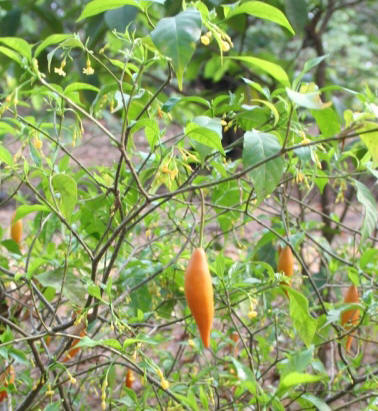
[131, 341]
[307, 100]
[296, 10]
[24, 210]
[80, 86]
[316, 401]
[11, 246]
[53, 39]
[261, 10]
[6, 128]
[151, 130]
[369, 258]
[298, 361]
[65, 189]
[244, 373]
[5, 156]
[228, 195]
[176, 37]
[257, 148]
[207, 131]
[11, 54]
[371, 140]
[273, 69]
[303, 322]
[172, 101]
[20, 45]
[327, 121]
[73, 289]
[94, 291]
[87, 342]
[365, 197]
[99, 6]
[111, 342]
[298, 378]
[119, 19]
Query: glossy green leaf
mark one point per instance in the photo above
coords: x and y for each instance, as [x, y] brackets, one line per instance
[20, 45]
[176, 38]
[298, 378]
[11, 54]
[99, 6]
[257, 148]
[77, 86]
[53, 39]
[26, 209]
[261, 10]
[206, 131]
[273, 69]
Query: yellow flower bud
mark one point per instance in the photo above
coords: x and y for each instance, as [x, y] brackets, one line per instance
[225, 46]
[165, 384]
[205, 40]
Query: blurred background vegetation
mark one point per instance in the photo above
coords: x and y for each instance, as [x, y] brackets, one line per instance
[345, 31]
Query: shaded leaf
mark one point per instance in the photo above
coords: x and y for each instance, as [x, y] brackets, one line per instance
[273, 69]
[65, 189]
[365, 197]
[371, 139]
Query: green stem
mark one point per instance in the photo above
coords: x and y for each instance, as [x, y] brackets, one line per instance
[202, 218]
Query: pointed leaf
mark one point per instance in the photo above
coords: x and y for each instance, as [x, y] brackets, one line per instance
[20, 45]
[298, 378]
[176, 38]
[99, 6]
[303, 322]
[53, 39]
[261, 10]
[258, 147]
[273, 69]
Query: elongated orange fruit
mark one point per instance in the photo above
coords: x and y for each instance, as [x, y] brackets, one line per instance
[6, 378]
[199, 293]
[129, 381]
[350, 317]
[286, 262]
[74, 350]
[16, 229]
